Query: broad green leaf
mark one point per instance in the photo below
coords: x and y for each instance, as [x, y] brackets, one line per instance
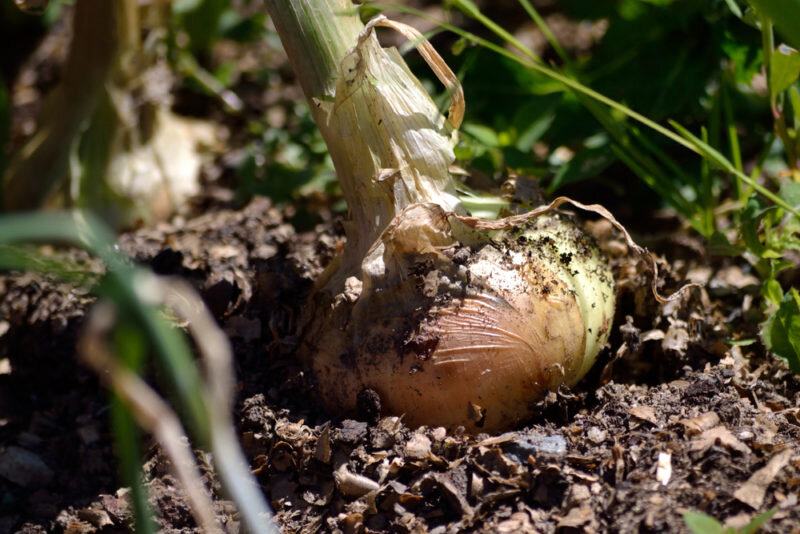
[746, 57]
[719, 244]
[700, 523]
[790, 192]
[534, 119]
[201, 21]
[784, 68]
[784, 15]
[781, 331]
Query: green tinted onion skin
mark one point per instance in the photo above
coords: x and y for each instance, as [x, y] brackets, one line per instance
[473, 336]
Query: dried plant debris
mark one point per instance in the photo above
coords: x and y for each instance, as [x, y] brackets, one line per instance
[672, 420]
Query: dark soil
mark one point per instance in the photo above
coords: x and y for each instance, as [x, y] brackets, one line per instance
[725, 422]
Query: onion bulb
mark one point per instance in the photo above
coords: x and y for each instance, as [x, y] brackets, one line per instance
[450, 320]
[453, 328]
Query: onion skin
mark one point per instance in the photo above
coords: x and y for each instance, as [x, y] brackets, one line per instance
[454, 335]
[448, 324]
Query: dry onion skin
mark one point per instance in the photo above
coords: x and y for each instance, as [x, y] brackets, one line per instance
[457, 334]
[450, 320]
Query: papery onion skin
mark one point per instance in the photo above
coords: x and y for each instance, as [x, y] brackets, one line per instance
[447, 325]
[473, 336]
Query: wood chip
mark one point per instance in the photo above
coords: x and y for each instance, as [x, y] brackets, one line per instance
[753, 491]
[322, 452]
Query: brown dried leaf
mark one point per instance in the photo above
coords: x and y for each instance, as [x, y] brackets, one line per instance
[718, 434]
[701, 423]
[353, 485]
[434, 61]
[645, 413]
[676, 339]
[576, 517]
[753, 491]
[518, 522]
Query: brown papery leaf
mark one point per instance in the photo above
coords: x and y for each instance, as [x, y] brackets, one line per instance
[701, 423]
[718, 434]
[753, 491]
[645, 413]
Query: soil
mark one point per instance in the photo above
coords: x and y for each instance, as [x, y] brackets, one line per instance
[684, 412]
[674, 420]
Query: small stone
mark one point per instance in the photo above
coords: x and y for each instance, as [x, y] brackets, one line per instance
[596, 435]
[24, 468]
[419, 447]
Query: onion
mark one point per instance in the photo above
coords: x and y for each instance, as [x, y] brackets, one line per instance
[451, 320]
[455, 334]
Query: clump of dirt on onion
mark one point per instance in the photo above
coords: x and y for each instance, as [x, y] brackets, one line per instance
[451, 320]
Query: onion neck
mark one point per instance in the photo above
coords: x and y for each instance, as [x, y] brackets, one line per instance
[389, 143]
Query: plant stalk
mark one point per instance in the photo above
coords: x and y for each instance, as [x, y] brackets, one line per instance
[390, 145]
[38, 167]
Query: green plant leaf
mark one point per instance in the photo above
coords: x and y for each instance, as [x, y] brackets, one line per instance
[772, 291]
[784, 14]
[781, 331]
[790, 192]
[483, 134]
[719, 244]
[784, 68]
[757, 522]
[734, 7]
[201, 20]
[794, 98]
[587, 163]
[746, 57]
[700, 523]
[468, 7]
[752, 213]
[711, 154]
